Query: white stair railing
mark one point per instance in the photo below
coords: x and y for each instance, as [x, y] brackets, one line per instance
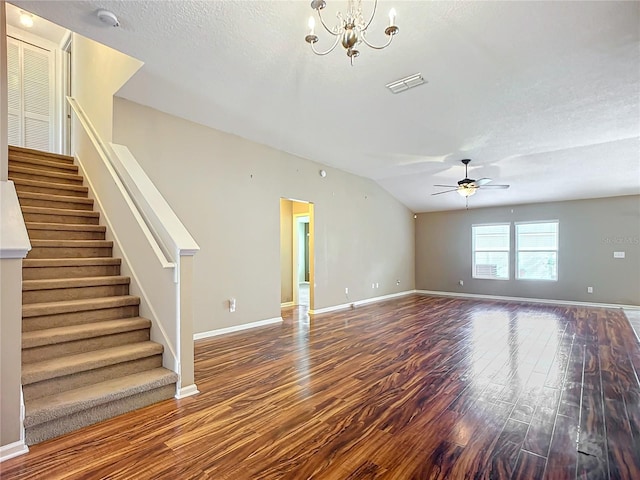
[155, 246]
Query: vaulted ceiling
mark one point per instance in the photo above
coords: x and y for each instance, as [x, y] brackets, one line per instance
[544, 96]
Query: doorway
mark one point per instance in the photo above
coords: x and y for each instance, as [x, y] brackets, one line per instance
[296, 250]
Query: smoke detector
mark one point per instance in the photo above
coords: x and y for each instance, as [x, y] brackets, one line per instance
[109, 18]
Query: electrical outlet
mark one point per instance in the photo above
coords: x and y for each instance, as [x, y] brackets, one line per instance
[461, 283]
[589, 289]
[232, 305]
[397, 282]
[346, 290]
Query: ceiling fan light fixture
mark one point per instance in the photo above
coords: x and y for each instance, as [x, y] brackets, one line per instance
[466, 191]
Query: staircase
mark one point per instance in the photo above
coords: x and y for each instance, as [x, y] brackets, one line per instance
[86, 354]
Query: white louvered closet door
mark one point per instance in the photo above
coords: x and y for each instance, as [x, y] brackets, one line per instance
[31, 102]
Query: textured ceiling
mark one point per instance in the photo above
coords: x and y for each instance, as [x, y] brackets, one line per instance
[544, 96]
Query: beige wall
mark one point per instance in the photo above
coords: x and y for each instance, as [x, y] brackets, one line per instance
[589, 232]
[286, 250]
[4, 112]
[10, 349]
[97, 68]
[227, 190]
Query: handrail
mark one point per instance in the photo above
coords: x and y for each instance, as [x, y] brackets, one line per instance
[120, 184]
[166, 234]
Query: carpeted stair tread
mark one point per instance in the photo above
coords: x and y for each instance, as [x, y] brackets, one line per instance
[15, 150]
[61, 211]
[48, 197]
[51, 336]
[62, 404]
[57, 283]
[71, 243]
[60, 367]
[42, 164]
[49, 185]
[69, 227]
[68, 306]
[49, 176]
[69, 262]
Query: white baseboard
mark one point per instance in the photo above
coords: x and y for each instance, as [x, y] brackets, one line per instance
[13, 450]
[286, 304]
[360, 302]
[236, 328]
[187, 391]
[526, 300]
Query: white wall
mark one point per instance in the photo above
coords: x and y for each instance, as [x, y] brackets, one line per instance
[227, 190]
[97, 74]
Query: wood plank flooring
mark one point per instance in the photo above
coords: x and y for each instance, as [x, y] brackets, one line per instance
[414, 388]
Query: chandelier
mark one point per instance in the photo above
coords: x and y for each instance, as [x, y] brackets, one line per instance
[351, 29]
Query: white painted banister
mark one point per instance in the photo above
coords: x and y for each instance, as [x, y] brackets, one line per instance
[108, 158]
[155, 246]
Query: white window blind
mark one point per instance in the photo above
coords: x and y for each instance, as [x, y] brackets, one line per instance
[491, 244]
[30, 78]
[537, 251]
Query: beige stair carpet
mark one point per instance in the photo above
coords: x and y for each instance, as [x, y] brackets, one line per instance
[86, 352]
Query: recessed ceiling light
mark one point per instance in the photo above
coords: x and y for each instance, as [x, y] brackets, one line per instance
[26, 19]
[406, 83]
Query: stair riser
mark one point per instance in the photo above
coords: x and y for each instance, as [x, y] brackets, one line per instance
[78, 318]
[44, 178]
[62, 294]
[36, 202]
[47, 352]
[43, 165]
[69, 252]
[45, 431]
[47, 218]
[90, 377]
[14, 154]
[50, 190]
[38, 234]
[42, 273]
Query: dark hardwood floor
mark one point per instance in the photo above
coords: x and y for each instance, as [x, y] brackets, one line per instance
[414, 388]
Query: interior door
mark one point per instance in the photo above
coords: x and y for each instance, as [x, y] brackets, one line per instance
[30, 74]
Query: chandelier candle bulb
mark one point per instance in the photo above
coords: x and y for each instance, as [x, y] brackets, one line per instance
[392, 17]
[312, 26]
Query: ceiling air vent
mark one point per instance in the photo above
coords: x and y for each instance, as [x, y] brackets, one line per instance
[406, 83]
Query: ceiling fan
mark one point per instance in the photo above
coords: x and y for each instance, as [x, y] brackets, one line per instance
[467, 186]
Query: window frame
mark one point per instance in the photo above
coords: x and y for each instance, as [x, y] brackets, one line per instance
[474, 251]
[556, 251]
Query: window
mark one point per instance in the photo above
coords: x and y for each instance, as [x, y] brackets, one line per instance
[537, 251]
[491, 245]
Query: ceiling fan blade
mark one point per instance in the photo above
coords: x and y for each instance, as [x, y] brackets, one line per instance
[448, 186]
[446, 191]
[483, 181]
[497, 187]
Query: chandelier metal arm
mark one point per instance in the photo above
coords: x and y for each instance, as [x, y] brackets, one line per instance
[335, 44]
[332, 32]
[376, 47]
[373, 14]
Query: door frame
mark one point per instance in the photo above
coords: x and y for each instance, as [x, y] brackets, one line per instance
[299, 219]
